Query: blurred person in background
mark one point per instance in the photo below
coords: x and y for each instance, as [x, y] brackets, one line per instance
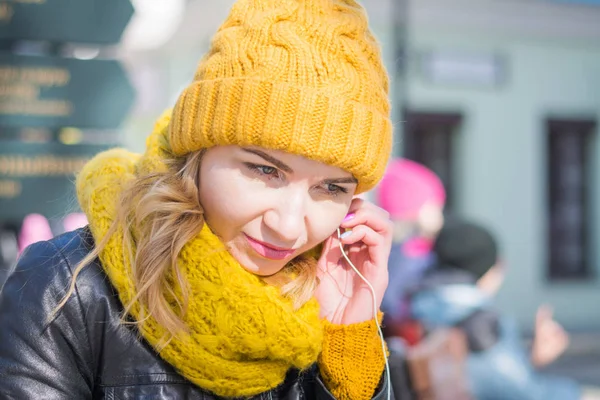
[74, 221]
[35, 228]
[459, 292]
[415, 197]
[212, 265]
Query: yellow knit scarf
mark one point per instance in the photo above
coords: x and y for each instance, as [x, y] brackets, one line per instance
[243, 334]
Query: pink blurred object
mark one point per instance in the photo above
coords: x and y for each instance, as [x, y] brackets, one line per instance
[406, 187]
[417, 246]
[35, 228]
[74, 221]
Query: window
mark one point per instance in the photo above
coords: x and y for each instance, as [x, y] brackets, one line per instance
[428, 139]
[568, 198]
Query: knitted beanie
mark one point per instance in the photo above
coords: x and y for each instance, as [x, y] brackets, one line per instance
[301, 76]
[466, 246]
[406, 187]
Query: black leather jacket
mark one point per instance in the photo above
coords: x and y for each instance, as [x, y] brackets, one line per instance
[84, 353]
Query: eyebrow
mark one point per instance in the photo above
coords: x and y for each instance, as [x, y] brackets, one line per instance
[341, 180]
[284, 167]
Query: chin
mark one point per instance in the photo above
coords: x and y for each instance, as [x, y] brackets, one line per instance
[262, 267]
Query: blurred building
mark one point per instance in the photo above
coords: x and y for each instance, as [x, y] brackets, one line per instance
[503, 99]
[500, 97]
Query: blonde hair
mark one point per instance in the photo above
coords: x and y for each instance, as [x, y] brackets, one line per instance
[159, 213]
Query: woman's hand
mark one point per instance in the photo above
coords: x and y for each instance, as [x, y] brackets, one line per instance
[550, 339]
[367, 238]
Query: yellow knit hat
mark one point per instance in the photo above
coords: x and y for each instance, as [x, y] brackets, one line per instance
[302, 76]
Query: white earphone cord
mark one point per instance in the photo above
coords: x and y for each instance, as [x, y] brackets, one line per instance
[387, 365]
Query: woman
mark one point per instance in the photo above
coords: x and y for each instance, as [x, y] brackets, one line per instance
[211, 266]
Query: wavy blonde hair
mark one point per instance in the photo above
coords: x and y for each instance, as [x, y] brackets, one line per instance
[159, 213]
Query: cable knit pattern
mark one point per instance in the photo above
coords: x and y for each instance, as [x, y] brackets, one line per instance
[302, 76]
[352, 359]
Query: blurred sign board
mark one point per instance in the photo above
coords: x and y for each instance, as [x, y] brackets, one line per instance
[81, 21]
[39, 178]
[52, 92]
[463, 68]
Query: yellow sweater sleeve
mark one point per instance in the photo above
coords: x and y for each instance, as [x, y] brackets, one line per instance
[352, 361]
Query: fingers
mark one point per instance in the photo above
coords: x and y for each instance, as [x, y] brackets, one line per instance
[358, 206]
[553, 329]
[365, 213]
[547, 328]
[370, 229]
[362, 238]
[362, 233]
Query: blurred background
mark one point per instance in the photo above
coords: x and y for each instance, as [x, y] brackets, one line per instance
[500, 98]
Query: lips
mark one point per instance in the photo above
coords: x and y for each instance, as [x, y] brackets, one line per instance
[269, 251]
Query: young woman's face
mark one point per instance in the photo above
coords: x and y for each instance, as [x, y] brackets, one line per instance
[270, 206]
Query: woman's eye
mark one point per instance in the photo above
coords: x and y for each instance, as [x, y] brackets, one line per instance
[265, 169]
[335, 189]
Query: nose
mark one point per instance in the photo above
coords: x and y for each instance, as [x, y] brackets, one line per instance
[287, 217]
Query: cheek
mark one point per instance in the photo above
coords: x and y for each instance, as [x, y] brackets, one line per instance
[324, 219]
[227, 205]
[221, 199]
